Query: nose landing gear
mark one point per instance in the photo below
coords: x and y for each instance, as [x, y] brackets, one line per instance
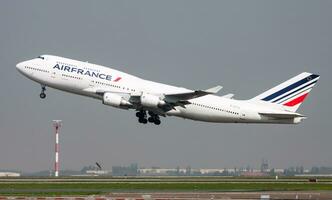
[42, 95]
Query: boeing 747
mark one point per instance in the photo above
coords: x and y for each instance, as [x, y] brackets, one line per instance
[151, 100]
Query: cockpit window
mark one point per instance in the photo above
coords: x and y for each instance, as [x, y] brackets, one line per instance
[41, 57]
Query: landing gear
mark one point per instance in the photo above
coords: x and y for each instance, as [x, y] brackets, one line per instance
[142, 117]
[142, 121]
[42, 94]
[157, 122]
[150, 119]
[154, 118]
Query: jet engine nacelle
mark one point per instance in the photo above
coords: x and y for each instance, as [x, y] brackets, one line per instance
[149, 100]
[115, 100]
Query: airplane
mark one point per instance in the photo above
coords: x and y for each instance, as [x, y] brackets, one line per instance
[151, 100]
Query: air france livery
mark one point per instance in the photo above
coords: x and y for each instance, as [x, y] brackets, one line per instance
[151, 100]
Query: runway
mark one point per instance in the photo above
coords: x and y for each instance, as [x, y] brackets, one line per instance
[190, 196]
[151, 188]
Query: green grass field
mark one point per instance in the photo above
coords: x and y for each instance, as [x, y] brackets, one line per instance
[61, 187]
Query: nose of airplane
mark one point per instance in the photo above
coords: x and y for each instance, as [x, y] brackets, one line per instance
[20, 66]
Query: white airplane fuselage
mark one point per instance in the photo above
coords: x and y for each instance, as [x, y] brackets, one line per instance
[95, 81]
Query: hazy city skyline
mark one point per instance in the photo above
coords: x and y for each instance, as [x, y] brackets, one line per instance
[245, 46]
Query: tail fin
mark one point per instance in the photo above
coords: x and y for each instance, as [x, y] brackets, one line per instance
[292, 92]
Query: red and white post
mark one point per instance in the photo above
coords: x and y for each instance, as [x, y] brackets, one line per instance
[56, 125]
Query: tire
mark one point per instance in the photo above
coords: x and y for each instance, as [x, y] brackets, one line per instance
[42, 95]
[157, 122]
[150, 119]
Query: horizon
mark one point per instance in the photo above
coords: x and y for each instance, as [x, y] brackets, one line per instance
[245, 46]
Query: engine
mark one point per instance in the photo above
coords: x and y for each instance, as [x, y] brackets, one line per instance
[149, 100]
[115, 100]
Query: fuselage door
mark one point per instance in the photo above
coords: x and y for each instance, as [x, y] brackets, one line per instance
[55, 75]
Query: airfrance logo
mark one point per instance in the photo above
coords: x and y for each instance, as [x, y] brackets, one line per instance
[85, 72]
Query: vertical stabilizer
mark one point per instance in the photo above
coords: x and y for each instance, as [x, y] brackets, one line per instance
[292, 92]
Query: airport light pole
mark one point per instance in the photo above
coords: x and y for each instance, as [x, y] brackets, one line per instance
[56, 125]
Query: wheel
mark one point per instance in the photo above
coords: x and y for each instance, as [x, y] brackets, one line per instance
[141, 114]
[42, 95]
[142, 120]
[157, 122]
[151, 119]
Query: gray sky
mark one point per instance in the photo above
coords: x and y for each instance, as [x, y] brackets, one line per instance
[245, 46]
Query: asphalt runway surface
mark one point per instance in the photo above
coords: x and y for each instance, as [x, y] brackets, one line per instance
[192, 195]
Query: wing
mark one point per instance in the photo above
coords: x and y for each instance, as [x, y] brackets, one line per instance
[169, 100]
[191, 95]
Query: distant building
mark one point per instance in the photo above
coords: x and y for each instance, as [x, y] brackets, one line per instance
[264, 166]
[156, 171]
[278, 171]
[131, 170]
[188, 171]
[97, 172]
[253, 174]
[92, 170]
[324, 170]
[213, 171]
[9, 174]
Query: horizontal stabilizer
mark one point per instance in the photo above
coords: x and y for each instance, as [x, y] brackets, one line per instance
[282, 115]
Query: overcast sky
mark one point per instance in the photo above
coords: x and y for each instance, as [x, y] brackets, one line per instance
[245, 46]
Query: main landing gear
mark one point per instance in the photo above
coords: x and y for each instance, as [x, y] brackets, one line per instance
[42, 95]
[154, 118]
[142, 117]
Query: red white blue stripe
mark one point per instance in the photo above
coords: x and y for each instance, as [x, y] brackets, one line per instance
[294, 93]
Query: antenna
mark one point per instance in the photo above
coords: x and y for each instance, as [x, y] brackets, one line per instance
[56, 125]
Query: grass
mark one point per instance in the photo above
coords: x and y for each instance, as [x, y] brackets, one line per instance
[89, 188]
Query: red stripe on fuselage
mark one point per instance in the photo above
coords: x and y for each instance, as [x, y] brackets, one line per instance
[296, 100]
[117, 79]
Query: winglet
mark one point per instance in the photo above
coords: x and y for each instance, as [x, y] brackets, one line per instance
[213, 90]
